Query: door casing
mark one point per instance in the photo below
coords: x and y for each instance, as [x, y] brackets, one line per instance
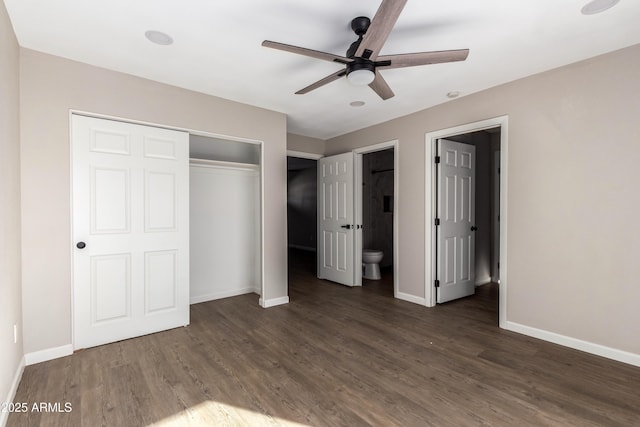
[431, 213]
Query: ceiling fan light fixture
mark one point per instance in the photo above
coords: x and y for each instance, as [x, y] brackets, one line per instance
[361, 77]
[597, 6]
[361, 72]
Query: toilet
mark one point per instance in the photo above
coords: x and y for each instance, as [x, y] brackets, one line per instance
[370, 260]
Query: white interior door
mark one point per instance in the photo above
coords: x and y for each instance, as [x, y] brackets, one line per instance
[335, 219]
[130, 230]
[456, 214]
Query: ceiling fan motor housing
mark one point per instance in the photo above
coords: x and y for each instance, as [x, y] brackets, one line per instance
[360, 64]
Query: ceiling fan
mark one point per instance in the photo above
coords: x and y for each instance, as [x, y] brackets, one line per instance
[362, 63]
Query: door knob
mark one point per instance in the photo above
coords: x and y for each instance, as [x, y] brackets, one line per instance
[81, 245]
[347, 226]
[474, 228]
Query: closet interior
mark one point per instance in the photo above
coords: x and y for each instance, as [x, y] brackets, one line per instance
[225, 258]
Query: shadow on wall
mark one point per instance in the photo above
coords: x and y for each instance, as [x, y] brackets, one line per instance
[301, 203]
[377, 203]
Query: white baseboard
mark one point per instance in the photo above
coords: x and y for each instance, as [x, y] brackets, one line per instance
[273, 302]
[303, 248]
[219, 295]
[589, 347]
[47, 354]
[483, 281]
[411, 298]
[4, 416]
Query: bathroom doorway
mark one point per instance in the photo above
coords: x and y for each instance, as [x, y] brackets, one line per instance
[376, 210]
[377, 214]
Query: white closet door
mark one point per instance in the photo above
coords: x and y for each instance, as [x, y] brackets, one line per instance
[225, 234]
[130, 230]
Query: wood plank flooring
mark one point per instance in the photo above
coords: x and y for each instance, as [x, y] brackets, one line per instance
[334, 356]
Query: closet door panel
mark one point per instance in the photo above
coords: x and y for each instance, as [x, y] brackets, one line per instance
[130, 200]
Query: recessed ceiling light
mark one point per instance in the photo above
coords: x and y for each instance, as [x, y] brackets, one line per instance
[453, 94]
[158, 37]
[597, 6]
[357, 103]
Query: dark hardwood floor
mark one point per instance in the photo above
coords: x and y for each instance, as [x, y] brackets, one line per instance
[334, 356]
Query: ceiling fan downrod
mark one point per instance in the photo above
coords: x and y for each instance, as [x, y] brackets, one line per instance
[359, 25]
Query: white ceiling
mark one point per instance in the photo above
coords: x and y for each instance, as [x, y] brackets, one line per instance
[217, 47]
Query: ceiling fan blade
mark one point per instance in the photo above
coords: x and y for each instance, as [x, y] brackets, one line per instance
[307, 52]
[380, 27]
[423, 58]
[380, 86]
[322, 82]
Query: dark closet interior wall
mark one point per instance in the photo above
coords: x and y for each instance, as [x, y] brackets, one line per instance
[301, 202]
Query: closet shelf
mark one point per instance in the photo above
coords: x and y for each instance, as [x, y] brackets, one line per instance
[223, 164]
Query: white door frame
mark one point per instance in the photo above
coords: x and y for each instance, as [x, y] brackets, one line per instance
[357, 195]
[73, 112]
[430, 205]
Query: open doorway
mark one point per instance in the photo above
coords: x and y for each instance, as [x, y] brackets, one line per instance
[376, 210]
[489, 139]
[302, 215]
[303, 189]
[377, 199]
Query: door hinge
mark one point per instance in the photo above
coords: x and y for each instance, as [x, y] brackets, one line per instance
[437, 159]
[436, 283]
[437, 221]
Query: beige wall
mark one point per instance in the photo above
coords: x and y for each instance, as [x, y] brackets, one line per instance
[305, 144]
[574, 151]
[50, 87]
[10, 292]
